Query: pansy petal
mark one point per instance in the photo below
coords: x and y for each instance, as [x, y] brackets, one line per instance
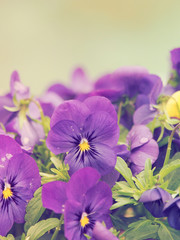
[17, 88]
[173, 218]
[101, 128]
[100, 232]
[111, 178]
[24, 170]
[6, 219]
[81, 181]
[54, 196]
[141, 154]
[80, 82]
[99, 198]
[138, 136]
[72, 216]
[73, 110]
[62, 91]
[144, 114]
[98, 103]
[19, 209]
[8, 147]
[63, 136]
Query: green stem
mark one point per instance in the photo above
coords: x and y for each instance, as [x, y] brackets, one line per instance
[168, 151]
[119, 111]
[58, 228]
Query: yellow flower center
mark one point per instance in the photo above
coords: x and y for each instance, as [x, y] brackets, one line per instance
[7, 191]
[84, 219]
[173, 105]
[84, 145]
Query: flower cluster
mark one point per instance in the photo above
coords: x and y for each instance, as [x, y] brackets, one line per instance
[96, 160]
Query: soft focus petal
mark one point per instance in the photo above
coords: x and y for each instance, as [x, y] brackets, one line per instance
[80, 182]
[144, 114]
[175, 58]
[111, 178]
[17, 88]
[148, 150]
[156, 90]
[138, 136]
[122, 151]
[80, 81]
[54, 196]
[102, 233]
[6, 116]
[62, 91]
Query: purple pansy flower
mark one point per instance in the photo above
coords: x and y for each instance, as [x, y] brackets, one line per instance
[172, 211]
[83, 200]
[19, 178]
[88, 131]
[154, 201]
[20, 120]
[80, 84]
[142, 146]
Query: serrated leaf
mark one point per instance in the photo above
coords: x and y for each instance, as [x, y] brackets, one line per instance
[9, 237]
[40, 228]
[169, 168]
[123, 169]
[140, 230]
[166, 232]
[34, 210]
[122, 201]
[56, 162]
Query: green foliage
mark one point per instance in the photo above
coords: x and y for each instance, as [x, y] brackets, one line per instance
[34, 210]
[141, 230]
[40, 228]
[166, 232]
[169, 168]
[9, 237]
[123, 169]
[174, 177]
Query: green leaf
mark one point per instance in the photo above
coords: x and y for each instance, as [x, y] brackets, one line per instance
[12, 109]
[166, 232]
[123, 201]
[57, 163]
[9, 237]
[40, 228]
[34, 210]
[169, 168]
[123, 169]
[174, 177]
[142, 229]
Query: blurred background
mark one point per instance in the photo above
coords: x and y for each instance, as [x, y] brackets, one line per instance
[46, 39]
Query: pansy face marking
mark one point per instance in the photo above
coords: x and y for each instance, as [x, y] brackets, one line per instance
[84, 219]
[84, 145]
[7, 193]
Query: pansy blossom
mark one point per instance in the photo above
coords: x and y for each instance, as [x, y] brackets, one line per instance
[83, 201]
[87, 131]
